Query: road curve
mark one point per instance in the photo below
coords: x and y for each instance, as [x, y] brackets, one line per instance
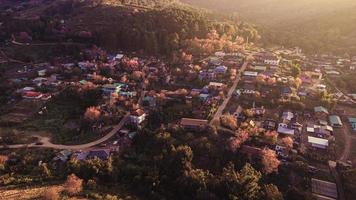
[48, 144]
[229, 94]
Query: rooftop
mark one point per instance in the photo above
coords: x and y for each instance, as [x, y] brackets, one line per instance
[321, 109]
[193, 122]
[324, 188]
[335, 120]
[318, 141]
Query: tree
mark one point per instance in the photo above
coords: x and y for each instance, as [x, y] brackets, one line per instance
[51, 194]
[288, 142]
[137, 75]
[295, 71]
[272, 193]
[186, 58]
[229, 121]
[73, 185]
[3, 160]
[92, 114]
[270, 161]
[249, 179]
[243, 184]
[234, 143]
[271, 137]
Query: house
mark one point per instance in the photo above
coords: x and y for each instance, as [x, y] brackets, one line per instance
[32, 95]
[215, 61]
[221, 69]
[85, 65]
[193, 124]
[102, 154]
[321, 112]
[303, 92]
[269, 124]
[250, 74]
[216, 85]
[259, 68]
[258, 112]
[287, 116]
[286, 91]
[320, 87]
[271, 60]
[204, 97]
[42, 72]
[332, 73]
[284, 129]
[207, 74]
[137, 117]
[63, 155]
[149, 101]
[119, 56]
[324, 190]
[335, 121]
[26, 89]
[316, 75]
[39, 81]
[79, 155]
[352, 121]
[318, 142]
[109, 89]
[238, 112]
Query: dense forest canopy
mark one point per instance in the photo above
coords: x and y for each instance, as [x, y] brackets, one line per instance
[314, 25]
[155, 27]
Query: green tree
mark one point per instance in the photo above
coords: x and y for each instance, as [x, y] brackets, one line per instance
[271, 192]
[295, 70]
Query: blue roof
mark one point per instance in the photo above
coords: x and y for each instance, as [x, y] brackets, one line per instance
[101, 154]
[335, 120]
[286, 90]
[204, 95]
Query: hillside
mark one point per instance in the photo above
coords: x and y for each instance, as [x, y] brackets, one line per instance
[151, 26]
[315, 25]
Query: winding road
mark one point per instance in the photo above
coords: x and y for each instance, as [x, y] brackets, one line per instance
[47, 144]
[221, 108]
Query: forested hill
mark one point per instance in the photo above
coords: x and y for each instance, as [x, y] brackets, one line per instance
[315, 25]
[150, 25]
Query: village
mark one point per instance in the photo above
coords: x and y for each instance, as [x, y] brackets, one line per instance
[284, 99]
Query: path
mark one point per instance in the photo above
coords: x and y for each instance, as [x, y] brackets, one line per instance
[349, 139]
[334, 172]
[229, 95]
[47, 144]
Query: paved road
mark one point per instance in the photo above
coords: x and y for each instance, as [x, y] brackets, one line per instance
[47, 144]
[229, 95]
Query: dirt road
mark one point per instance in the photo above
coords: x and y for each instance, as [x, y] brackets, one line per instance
[229, 95]
[47, 144]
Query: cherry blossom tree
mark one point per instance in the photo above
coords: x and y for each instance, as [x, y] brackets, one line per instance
[288, 142]
[73, 185]
[92, 114]
[270, 161]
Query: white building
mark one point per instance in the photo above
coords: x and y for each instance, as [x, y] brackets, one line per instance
[318, 142]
